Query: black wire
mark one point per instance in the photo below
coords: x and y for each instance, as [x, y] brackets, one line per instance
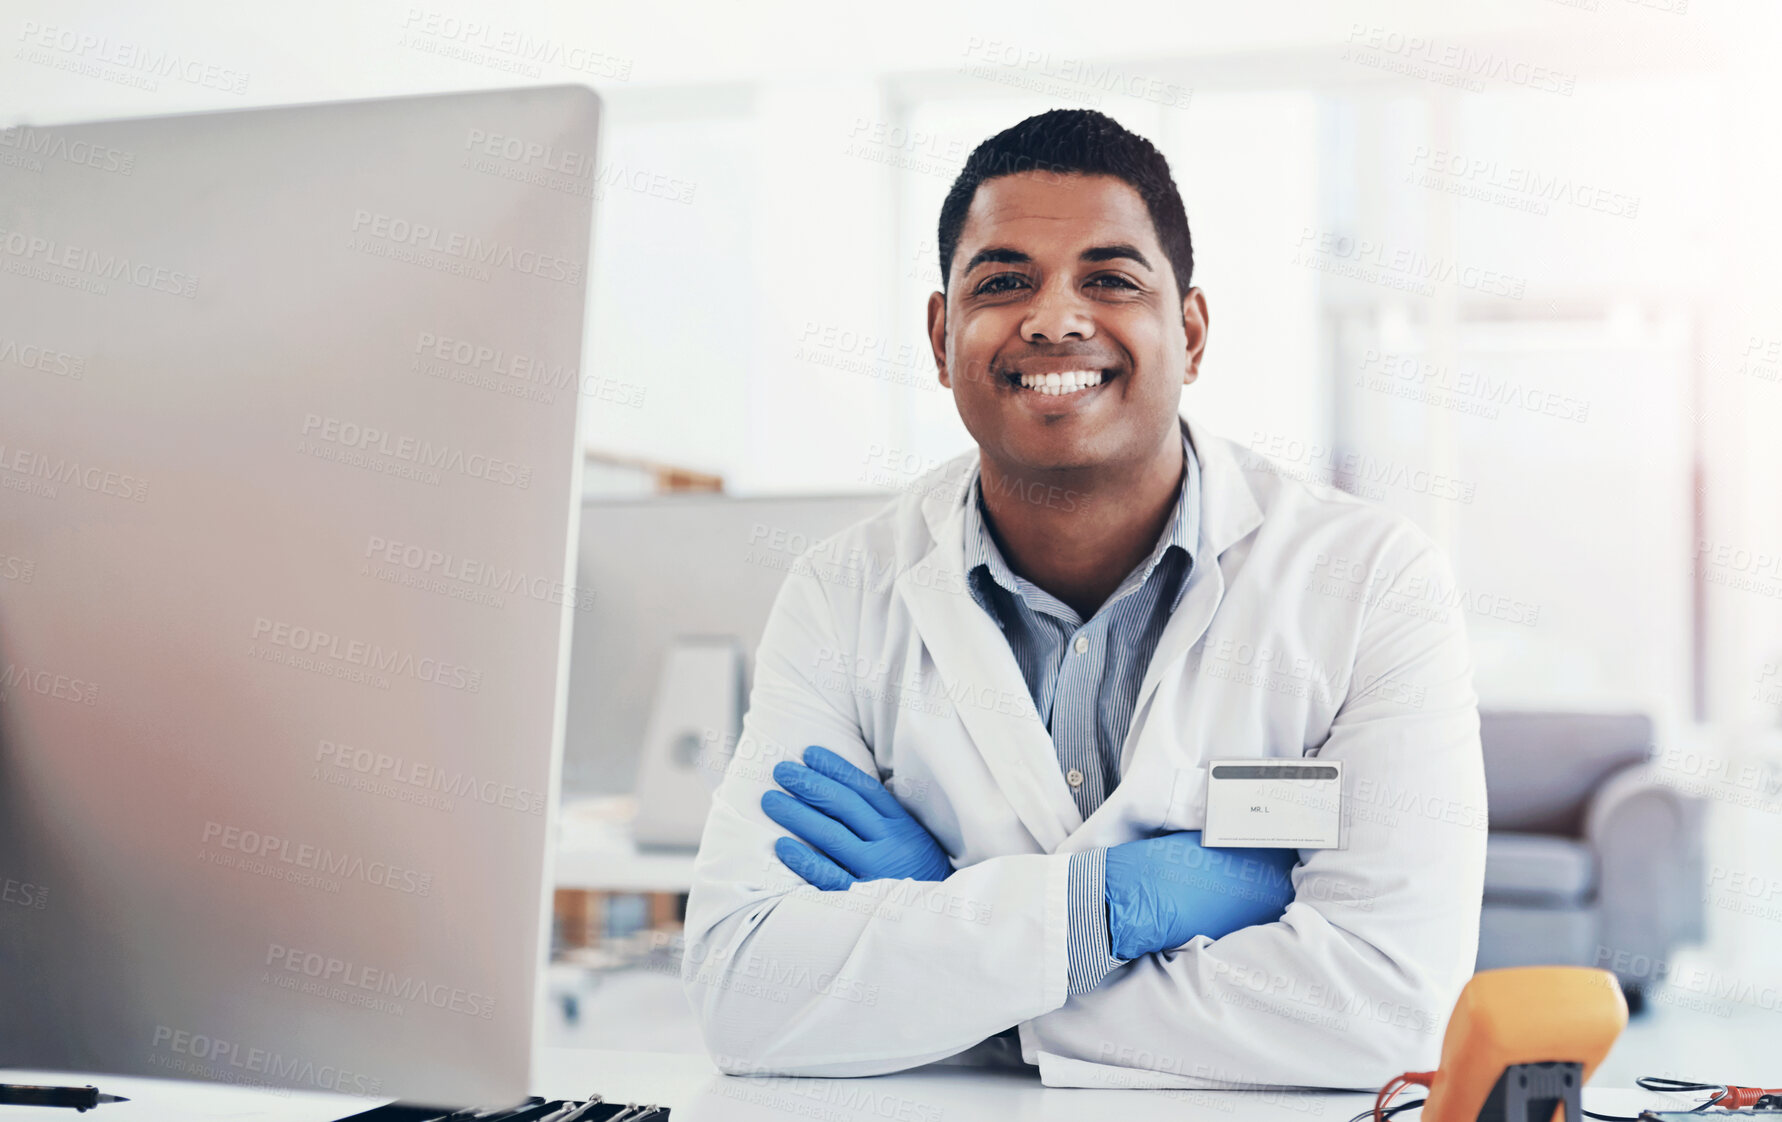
[1389, 1111]
[1660, 1083]
[1666, 1086]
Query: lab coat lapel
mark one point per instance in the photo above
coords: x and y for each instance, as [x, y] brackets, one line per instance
[1228, 513]
[980, 675]
[1148, 761]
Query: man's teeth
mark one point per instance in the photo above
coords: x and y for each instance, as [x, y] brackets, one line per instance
[1055, 384]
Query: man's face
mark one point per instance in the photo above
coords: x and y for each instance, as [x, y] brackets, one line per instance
[1063, 275]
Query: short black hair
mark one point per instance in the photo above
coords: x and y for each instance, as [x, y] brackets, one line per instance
[1080, 142]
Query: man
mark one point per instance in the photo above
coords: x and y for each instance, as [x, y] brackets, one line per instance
[964, 813]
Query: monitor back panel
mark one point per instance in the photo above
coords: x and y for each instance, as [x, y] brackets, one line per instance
[288, 502]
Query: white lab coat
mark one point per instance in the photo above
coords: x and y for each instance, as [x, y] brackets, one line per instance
[1313, 624]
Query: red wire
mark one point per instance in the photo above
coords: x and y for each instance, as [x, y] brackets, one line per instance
[1397, 1084]
[1742, 1098]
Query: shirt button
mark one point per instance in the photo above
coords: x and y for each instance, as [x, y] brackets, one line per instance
[1082, 645]
[1074, 777]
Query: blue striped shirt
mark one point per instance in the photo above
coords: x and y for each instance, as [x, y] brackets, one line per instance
[1084, 677]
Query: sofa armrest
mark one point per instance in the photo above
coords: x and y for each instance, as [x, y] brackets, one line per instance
[1648, 841]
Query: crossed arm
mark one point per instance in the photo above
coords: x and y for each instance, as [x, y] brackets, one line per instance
[857, 953]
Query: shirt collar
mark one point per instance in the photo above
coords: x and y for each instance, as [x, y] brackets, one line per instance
[1181, 532]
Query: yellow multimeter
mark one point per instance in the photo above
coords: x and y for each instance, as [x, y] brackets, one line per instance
[1520, 1045]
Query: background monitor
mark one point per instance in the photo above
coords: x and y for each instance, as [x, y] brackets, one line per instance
[659, 570]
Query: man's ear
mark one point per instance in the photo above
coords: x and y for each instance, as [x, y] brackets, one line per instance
[1194, 327]
[937, 334]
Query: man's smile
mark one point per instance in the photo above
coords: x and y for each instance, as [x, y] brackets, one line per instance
[1070, 377]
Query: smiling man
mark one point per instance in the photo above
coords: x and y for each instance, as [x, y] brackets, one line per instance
[964, 819]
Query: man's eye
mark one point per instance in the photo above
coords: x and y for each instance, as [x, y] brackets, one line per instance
[1114, 280]
[1001, 282]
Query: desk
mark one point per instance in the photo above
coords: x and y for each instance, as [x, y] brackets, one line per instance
[696, 1092]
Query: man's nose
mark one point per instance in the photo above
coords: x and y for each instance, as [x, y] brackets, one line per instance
[1058, 312]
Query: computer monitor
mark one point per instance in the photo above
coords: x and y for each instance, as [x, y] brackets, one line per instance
[289, 481]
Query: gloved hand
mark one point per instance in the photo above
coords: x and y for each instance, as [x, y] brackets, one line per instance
[859, 830]
[1163, 891]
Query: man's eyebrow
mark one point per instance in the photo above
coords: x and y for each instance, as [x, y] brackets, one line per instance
[995, 255]
[1114, 253]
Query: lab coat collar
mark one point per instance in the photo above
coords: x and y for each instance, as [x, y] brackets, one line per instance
[979, 670]
[1228, 510]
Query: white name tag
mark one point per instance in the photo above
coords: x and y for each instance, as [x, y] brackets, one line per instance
[1285, 804]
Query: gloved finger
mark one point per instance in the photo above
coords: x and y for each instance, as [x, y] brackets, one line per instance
[822, 831]
[815, 868]
[824, 762]
[838, 801]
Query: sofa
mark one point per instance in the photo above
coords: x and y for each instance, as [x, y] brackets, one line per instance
[1590, 860]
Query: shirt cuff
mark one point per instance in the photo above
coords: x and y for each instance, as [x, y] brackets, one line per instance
[1087, 908]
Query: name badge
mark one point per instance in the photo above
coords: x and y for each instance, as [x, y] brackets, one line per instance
[1274, 804]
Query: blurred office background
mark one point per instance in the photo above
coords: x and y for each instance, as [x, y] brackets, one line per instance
[1509, 269]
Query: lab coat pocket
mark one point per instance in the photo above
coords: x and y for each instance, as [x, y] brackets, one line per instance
[1187, 806]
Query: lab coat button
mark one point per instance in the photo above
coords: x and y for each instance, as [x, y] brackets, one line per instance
[1082, 643]
[1073, 776]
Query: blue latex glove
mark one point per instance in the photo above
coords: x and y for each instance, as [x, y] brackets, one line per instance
[1163, 891]
[859, 830]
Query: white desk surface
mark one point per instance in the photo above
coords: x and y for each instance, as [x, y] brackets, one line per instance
[696, 1092]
